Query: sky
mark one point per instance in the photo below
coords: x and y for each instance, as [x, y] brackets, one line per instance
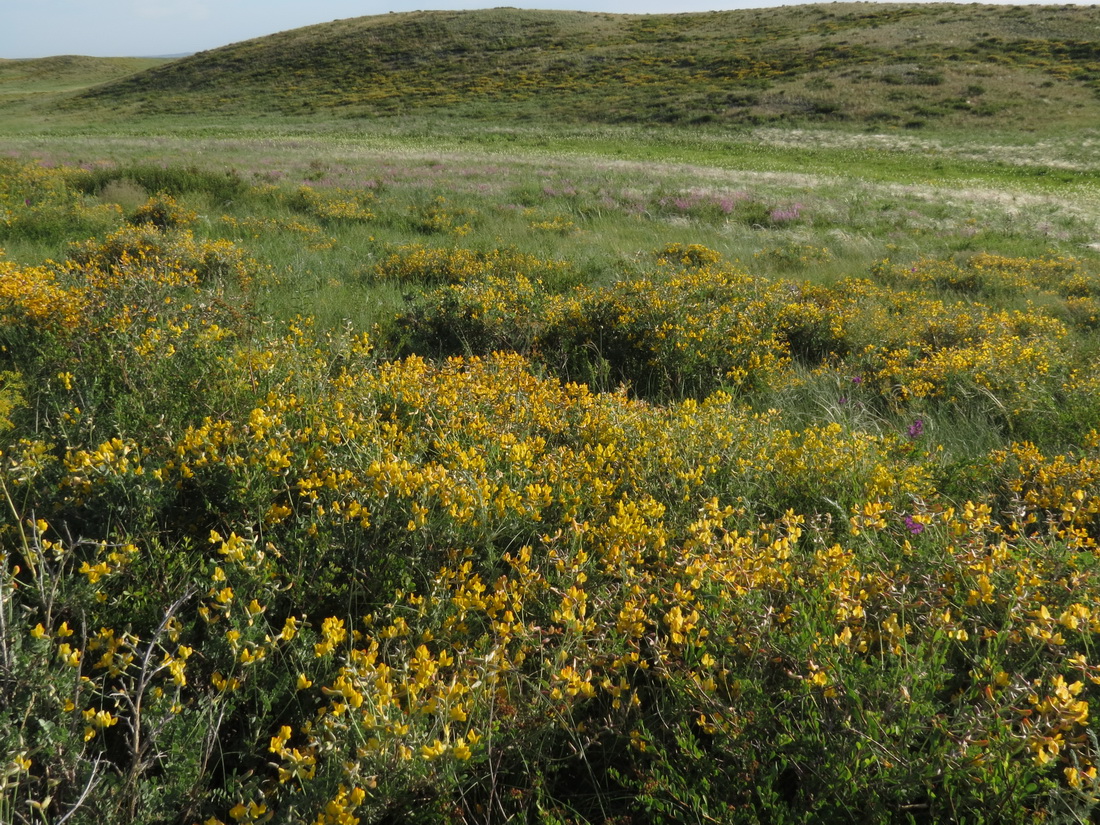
[154, 28]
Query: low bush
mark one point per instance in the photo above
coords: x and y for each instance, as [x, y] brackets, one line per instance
[257, 571]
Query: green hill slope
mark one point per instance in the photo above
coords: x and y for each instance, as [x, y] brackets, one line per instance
[29, 80]
[870, 65]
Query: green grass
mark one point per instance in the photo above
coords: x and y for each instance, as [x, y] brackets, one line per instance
[615, 193]
[67, 73]
[804, 320]
[776, 424]
[863, 66]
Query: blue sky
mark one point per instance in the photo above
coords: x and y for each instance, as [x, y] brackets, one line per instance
[130, 28]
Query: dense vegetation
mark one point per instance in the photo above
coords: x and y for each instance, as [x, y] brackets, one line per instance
[871, 65]
[359, 474]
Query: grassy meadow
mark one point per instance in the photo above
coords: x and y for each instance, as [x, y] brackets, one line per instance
[506, 455]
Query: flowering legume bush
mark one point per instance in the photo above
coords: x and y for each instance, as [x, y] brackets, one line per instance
[260, 572]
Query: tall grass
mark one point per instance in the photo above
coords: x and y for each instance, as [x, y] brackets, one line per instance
[347, 484]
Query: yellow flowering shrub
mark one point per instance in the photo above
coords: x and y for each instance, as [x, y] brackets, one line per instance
[431, 265]
[43, 202]
[329, 205]
[32, 297]
[164, 212]
[273, 573]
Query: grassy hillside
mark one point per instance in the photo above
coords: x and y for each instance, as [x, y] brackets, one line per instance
[870, 65]
[494, 438]
[28, 83]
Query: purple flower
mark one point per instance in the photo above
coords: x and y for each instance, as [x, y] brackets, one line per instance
[916, 428]
[791, 213]
[857, 380]
[913, 526]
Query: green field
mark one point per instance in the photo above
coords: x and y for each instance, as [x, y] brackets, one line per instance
[586, 419]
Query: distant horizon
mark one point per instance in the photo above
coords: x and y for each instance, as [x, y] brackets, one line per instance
[178, 28]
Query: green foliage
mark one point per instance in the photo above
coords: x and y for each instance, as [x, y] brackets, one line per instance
[221, 187]
[162, 212]
[45, 206]
[914, 66]
[607, 527]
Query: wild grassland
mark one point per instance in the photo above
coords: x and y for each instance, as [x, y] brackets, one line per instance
[591, 484]
[1029, 69]
[869, 65]
[602, 199]
[479, 472]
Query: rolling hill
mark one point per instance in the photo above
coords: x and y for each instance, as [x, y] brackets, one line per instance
[1020, 68]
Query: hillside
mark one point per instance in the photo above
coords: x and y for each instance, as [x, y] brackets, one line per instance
[30, 79]
[1026, 68]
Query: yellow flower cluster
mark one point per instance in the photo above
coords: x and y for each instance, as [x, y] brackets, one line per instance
[438, 217]
[163, 212]
[257, 227]
[683, 330]
[985, 273]
[373, 577]
[33, 196]
[418, 263]
[606, 582]
[1061, 493]
[559, 224]
[334, 204]
[143, 256]
[33, 297]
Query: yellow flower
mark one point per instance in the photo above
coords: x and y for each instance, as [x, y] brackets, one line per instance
[68, 654]
[279, 740]
[434, 750]
[290, 629]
